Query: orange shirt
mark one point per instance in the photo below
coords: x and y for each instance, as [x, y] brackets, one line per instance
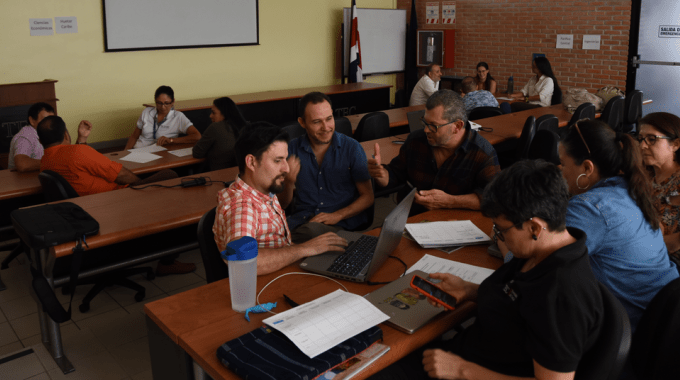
[88, 171]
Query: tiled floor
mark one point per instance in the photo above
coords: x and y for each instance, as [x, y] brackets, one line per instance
[107, 342]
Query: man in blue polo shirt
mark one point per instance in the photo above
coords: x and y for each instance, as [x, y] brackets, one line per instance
[328, 172]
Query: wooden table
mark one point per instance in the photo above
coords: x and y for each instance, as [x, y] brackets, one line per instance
[200, 320]
[398, 116]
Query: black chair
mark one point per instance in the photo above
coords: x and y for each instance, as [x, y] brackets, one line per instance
[584, 111]
[374, 125]
[215, 268]
[656, 342]
[606, 358]
[556, 96]
[632, 111]
[56, 188]
[414, 123]
[484, 112]
[613, 112]
[544, 146]
[525, 139]
[400, 99]
[343, 125]
[294, 129]
[548, 122]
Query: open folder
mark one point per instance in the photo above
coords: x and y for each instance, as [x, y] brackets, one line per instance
[444, 234]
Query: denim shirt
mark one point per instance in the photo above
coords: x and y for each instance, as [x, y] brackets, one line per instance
[332, 186]
[626, 254]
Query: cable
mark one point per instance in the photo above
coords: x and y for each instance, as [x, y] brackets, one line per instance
[257, 299]
[387, 282]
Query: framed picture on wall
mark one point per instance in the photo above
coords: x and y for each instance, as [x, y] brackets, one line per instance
[430, 47]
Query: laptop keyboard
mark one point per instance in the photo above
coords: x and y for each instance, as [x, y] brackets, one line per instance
[355, 257]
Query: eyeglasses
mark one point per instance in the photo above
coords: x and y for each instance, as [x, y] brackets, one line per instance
[580, 134]
[434, 127]
[161, 104]
[651, 139]
[499, 233]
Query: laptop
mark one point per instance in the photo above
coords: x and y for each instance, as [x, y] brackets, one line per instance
[408, 310]
[364, 254]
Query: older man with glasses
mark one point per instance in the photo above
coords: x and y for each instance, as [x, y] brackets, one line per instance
[449, 163]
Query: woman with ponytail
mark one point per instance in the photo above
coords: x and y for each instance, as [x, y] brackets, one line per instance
[612, 202]
[218, 140]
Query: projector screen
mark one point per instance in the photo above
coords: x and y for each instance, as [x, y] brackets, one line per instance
[179, 24]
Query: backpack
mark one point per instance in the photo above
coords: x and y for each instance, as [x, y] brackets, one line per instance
[608, 92]
[575, 96]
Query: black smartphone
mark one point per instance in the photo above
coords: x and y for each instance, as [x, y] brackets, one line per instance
[432, 292]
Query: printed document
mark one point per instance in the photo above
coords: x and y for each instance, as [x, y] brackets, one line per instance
[140, 157]
[433, 264]
[182, 152]
[148, 149]
[443, 234]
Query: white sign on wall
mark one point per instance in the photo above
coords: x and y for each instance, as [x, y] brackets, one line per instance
[448, 12]
[64, 25]
[40, 26]
[591, 42]
[565, 41]
[432, 12]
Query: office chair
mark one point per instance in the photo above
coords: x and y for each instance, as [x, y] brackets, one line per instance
[484, 112]
[656, 342]
[56, 188]
[374, 125]
[294, 129]
[606, 358]
[525, 139]
[613, 112]
[548, 122]
[215, 268]
[584, 111]
[544, 146]
[632, 111]
[343, 125]
[400, 99]
[414, 123]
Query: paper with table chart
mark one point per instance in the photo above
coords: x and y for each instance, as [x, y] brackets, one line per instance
[442, 234]
[319, 325]
[140, 157]
[148, 149]
[182, 152]
[433, 264]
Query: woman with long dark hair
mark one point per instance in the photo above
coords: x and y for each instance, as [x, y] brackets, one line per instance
[542, 89]
[484, 79]
[218, 140]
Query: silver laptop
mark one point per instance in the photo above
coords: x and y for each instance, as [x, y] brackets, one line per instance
[364, 254]
[408, 309]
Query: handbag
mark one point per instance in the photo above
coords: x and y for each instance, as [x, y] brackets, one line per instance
[575, 96]
[608, 92]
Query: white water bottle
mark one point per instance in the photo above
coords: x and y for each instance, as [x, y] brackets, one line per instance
[242, 257]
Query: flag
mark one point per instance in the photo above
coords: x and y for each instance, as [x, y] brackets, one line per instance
[410, 66]
[355, 49]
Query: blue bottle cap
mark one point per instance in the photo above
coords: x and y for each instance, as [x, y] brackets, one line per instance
[241, 249]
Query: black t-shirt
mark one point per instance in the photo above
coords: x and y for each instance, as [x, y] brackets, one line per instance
[551, 314]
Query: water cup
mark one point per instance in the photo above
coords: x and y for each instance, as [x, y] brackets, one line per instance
[242, 257]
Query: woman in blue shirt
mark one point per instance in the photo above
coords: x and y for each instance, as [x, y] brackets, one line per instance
[612, 203]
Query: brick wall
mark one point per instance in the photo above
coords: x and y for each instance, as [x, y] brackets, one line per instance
[504, 33]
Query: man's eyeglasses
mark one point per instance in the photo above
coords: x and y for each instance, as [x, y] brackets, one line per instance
[434, 127]
[651, 139]
[499, 233]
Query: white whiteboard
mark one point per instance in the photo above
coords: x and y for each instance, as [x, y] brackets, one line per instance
[173, 24]
[382, 34]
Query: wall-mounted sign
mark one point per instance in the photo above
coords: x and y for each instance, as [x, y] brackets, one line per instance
[448, 12]
[669, 31]
[591, 42]
[40, 26]
[64, 25]
[565, 41]
[432, 12]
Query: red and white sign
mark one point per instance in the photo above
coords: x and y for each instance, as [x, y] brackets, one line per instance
[448, 12]
[432, 12]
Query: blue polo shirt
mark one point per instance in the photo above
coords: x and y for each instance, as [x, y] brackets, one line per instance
[332, 186]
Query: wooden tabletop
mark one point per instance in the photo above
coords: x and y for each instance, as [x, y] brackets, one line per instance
[398, 116]
[268, 96]
[201, 319]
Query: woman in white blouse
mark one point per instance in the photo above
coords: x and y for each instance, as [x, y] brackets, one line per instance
[542, 89]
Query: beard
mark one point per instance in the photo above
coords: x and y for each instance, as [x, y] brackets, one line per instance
[276, 188]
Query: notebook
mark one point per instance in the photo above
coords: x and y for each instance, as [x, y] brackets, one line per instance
[408, 310]
[368, 253]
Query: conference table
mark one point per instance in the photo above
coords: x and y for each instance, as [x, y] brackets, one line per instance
[201, 319]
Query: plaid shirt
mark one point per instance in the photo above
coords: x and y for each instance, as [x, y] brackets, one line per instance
[468, 170]
[244, 211]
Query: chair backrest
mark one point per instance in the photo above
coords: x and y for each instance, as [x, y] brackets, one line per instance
[606, 358]
[484, 112]
[656, 342]
[374, 125]
[294, 129]
[548, 122]
[584, 111]
[525, 139]
[556, 96]
[55, 187]
[343, 125]
[613, 112]
[632, 109]
[414, 123]
[544, 146]
[400, 99]
[215, 268]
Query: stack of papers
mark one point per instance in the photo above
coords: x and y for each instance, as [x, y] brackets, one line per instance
[433, 264]
[148, 149]
[446, 234]
[182, 152]
[140, 157]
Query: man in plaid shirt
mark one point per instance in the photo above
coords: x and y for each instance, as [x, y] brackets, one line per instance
[446, 161]
[249, 207]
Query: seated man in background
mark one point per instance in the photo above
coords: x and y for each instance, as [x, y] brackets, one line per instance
[473, 98]
[426, 86]
[25, 150]
[249, 206]
[447, 162]
[328, 172]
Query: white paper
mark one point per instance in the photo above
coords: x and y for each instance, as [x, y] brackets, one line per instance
[149, 149]
[591, 42]
[64, 25]
[433, 264]
[140, 157]
[458, 232]
[474, 126]
[40, 26]
[319, 325]
[432, 12]
[449, 12]
[182, 152]
[565, 41]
